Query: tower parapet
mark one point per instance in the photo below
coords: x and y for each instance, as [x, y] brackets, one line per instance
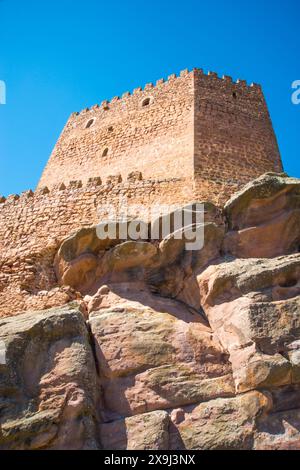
[209, 130]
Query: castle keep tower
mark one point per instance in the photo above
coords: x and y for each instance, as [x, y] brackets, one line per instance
[208, 132]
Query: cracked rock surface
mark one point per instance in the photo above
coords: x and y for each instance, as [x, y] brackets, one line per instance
[161, 347]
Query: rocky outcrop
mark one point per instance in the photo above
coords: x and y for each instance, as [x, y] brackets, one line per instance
[253, 307]
[155, 355]
[164, 347]
[148, 431]
[48, 382]
[220, 424]
[264, 218]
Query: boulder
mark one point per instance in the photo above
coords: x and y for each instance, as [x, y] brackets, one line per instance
[252, 307]
[264, 218]
[148, 431]
[155, 355]
[84, 262]
[278, 431]
[84, 259]
[175, 274]
[48, 387]
[220, 424]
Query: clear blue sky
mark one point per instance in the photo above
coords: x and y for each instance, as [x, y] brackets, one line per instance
[60, 56]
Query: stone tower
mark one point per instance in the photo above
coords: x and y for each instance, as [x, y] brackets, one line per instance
[212, 134]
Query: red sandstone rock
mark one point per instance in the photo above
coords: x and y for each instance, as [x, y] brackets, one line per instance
[254, 324]
[220, 424]
[47, 382]
[264, 218]
[164, 348]
[155, 354]
[149, 431]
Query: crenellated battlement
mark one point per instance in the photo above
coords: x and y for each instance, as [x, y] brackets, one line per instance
[106, 104]
[113, 182]
[148, 87]
[193, 126]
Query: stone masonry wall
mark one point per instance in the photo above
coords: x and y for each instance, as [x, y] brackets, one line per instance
[215, 133]
[33, 225]
[129, 134]
[234, 137]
